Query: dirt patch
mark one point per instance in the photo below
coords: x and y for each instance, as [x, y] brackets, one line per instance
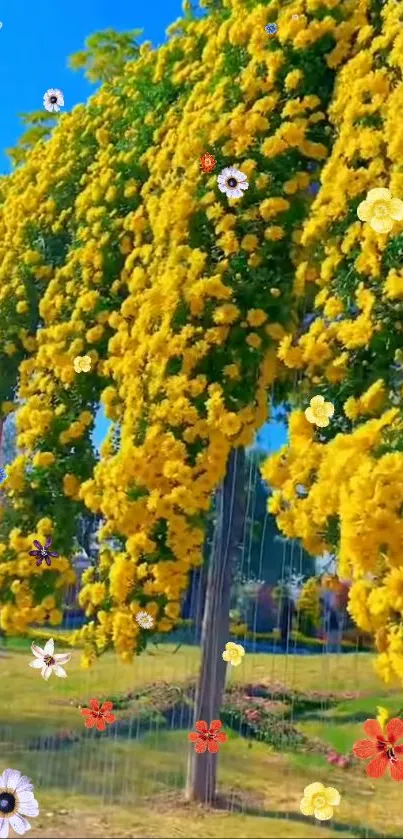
[78, 825]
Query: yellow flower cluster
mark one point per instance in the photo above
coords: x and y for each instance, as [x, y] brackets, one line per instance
[349, 348]
[22, 577]
[351, 504]
[309, 604]
[116, 249]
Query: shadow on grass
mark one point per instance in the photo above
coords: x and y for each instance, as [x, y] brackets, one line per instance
[225, 803]
[329, 719]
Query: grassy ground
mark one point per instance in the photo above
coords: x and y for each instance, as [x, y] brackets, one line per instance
[118, 787]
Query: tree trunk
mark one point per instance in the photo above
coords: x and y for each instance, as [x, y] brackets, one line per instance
[202, 768]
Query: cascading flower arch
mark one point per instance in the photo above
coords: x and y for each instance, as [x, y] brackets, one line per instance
[351, 353]
[115, 245]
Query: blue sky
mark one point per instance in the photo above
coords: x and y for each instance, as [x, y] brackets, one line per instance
[271, 437]
[35, 42]
[37, 38]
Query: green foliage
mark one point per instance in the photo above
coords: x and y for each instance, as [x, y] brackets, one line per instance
[309, 606]
[39, 125]
[105, 54]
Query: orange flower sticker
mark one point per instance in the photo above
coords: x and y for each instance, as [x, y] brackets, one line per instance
[382, 748]
[207, 163]
[207, 737]
[96, 716]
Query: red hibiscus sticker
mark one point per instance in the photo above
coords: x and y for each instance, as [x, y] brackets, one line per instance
[207, 737]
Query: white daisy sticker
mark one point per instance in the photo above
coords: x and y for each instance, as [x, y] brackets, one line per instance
[49, 662]
[16, 801]
[145, 620]
[53, 100]
[232, 181]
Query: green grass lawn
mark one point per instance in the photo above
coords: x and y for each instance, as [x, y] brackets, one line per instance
[120, 787]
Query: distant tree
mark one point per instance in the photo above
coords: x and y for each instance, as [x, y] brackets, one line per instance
[267, 555]
[105, 54]
[38, 125]
[309, 606]
[8, 448]
[86, 536]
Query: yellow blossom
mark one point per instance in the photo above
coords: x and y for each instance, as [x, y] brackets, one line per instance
[82, 364]
[380, 210]
[319, 412]
[233, 653]
[319, 801]
[382, 715]
[44, 459]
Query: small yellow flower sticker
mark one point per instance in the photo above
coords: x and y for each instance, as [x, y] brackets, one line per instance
[380, 210]
[319, 411]
[82, 363]
[233, 653]
[319, 801]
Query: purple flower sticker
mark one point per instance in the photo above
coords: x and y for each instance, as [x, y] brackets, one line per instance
[43, 553]
[314, 188]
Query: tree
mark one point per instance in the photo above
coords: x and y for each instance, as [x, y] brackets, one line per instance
[309, 606]
[38, 125]
[105, 54]
[201, 781]
[196, 309]
[191, 306]
[7, 441]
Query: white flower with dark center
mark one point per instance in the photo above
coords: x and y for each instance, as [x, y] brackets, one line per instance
[232, 181]
[53, 99]
[145, 620]
[16, 801]
[47, 661]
